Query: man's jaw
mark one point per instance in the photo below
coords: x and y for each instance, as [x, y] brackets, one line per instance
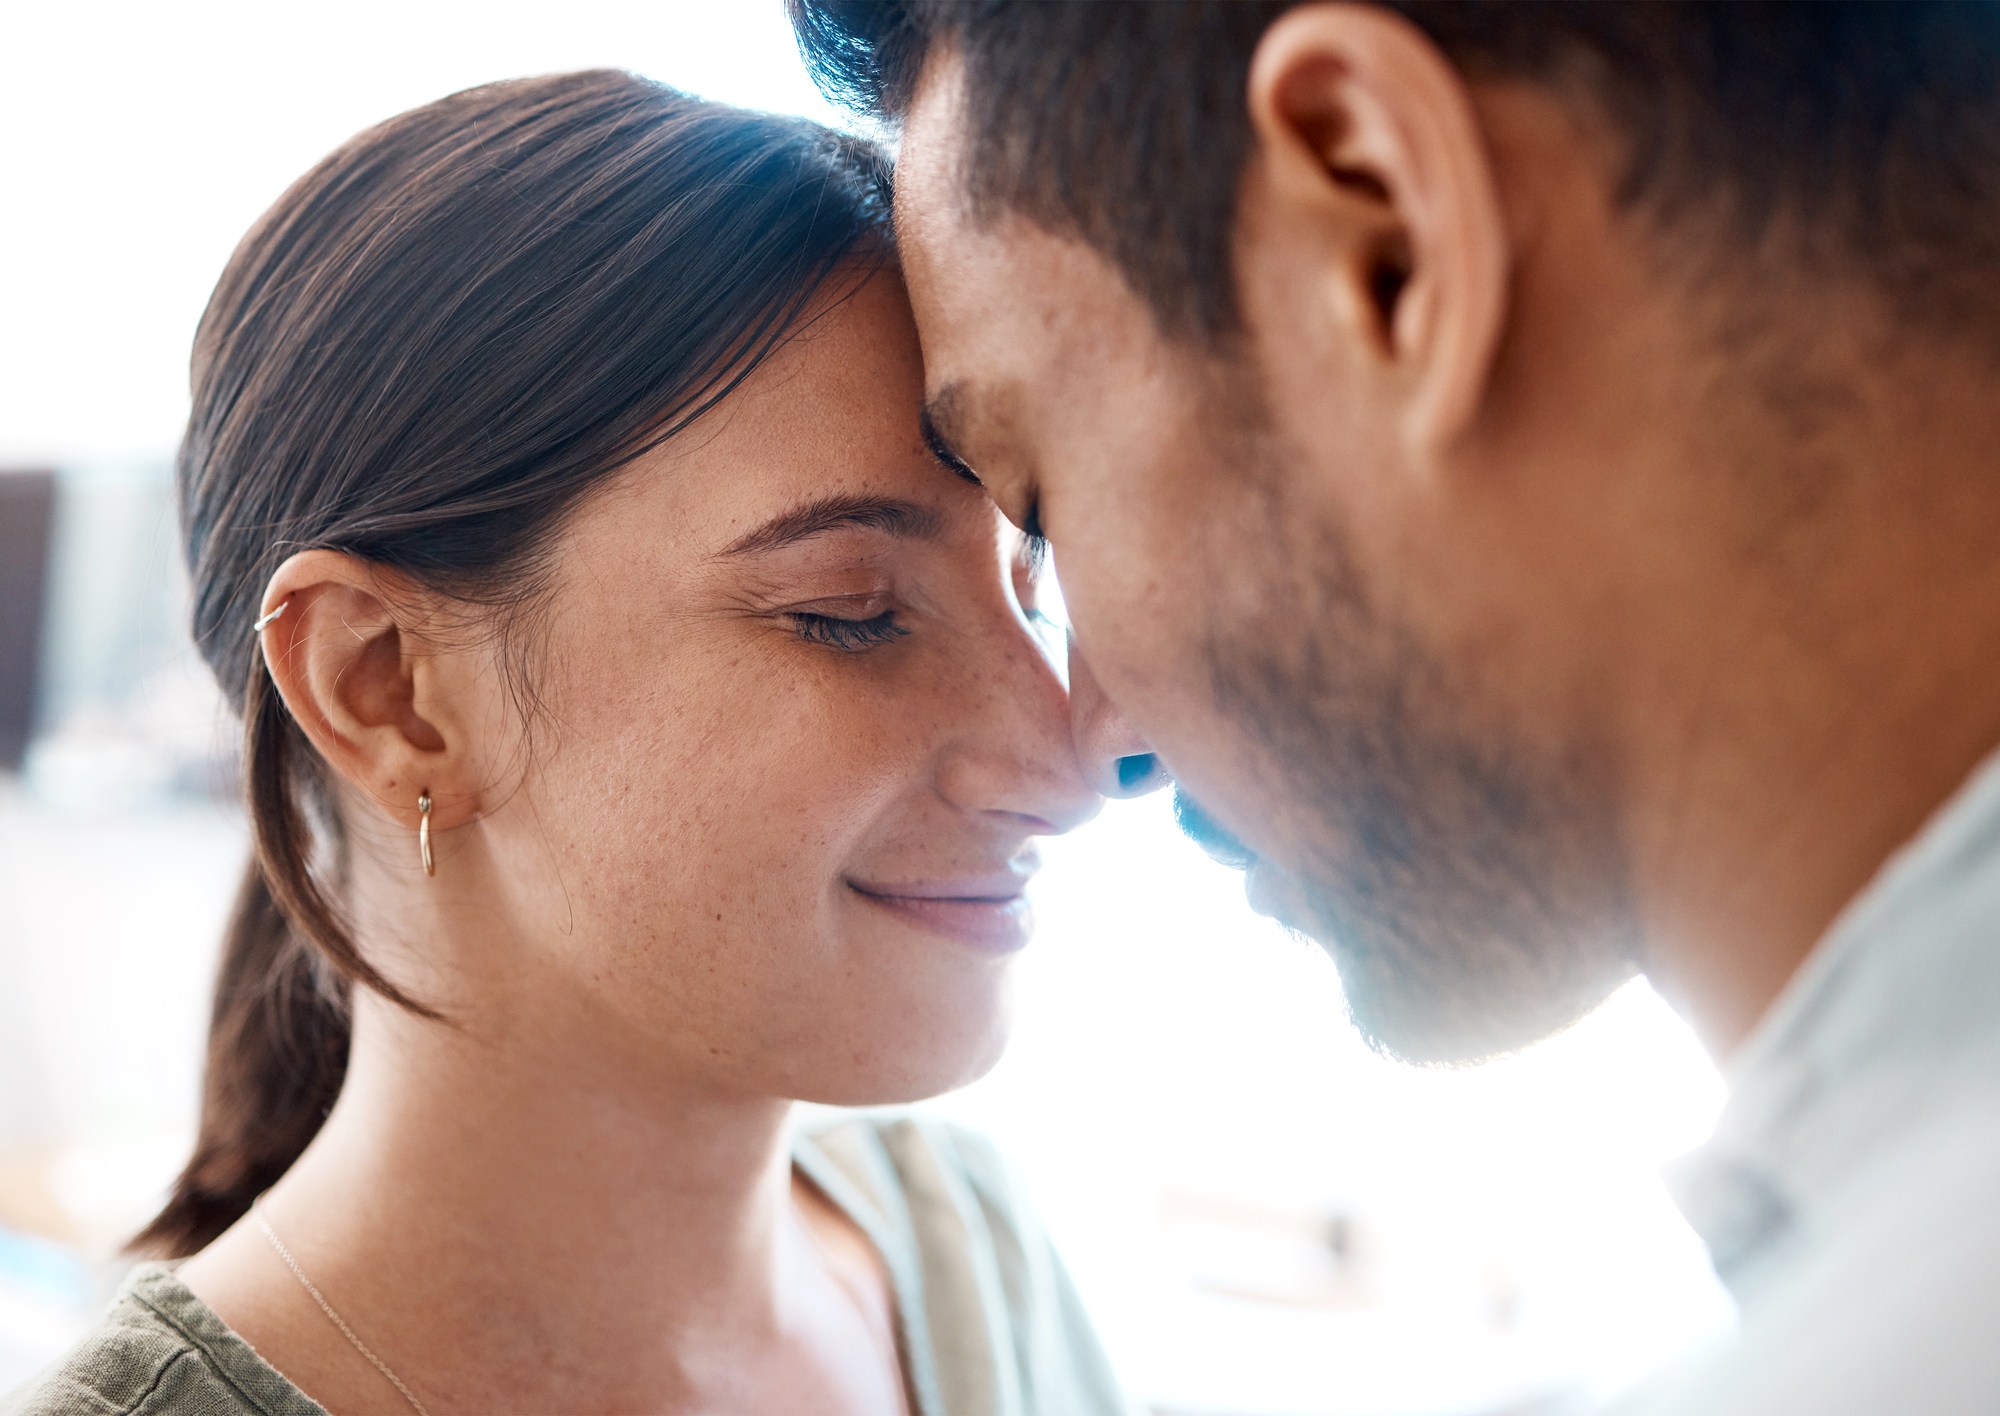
[1201, 827]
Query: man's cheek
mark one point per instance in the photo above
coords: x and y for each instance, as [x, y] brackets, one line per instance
[1153, 661]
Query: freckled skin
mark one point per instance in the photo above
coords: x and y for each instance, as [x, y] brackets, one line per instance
[707, 784]
[727, 824]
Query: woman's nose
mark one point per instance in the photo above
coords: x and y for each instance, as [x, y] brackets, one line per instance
[1116, 761]
[1015, 754]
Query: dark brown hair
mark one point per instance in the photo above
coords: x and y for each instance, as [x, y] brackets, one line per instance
[424, 355]
[1869, 131]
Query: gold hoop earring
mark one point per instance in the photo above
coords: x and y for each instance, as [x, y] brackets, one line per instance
[424, 833]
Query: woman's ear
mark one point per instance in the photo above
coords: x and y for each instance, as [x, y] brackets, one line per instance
[1369, 147]
[342, 640]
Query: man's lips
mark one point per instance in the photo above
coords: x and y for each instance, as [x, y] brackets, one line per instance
[988, 912]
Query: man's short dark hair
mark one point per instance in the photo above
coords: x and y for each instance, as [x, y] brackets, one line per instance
[1860, 138]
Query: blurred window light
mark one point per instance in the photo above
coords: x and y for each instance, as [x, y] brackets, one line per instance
[27, 513]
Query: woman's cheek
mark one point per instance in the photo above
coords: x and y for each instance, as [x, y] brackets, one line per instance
[743, 788]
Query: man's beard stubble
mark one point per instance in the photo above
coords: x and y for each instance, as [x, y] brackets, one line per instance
[1471, 891]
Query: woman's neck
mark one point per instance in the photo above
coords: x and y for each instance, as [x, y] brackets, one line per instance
[511, 1233]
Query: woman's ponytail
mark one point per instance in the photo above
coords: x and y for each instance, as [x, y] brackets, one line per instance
[278, 1030]
[277, 1050]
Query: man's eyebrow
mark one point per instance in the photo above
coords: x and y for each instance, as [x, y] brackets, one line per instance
[940, 420]
[898, 518]
[939, 415]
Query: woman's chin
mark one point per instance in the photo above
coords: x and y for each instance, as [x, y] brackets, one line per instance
[930, 1049]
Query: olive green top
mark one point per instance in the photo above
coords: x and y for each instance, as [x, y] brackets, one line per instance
[988, 1324]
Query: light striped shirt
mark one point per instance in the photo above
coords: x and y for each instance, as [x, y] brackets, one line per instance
[1851, 1194]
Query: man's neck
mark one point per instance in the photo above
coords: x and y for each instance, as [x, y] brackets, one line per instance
[1828, 701]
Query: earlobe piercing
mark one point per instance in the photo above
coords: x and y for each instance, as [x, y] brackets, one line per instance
[424, 833]
[262, 620]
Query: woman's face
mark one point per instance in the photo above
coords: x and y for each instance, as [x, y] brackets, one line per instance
[795, 729]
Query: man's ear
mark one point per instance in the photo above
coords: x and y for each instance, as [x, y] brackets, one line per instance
[1367, 134]
[365, 685]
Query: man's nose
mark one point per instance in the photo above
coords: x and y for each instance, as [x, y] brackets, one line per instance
[1116, 761]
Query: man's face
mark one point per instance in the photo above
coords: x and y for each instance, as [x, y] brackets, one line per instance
[1274, 607]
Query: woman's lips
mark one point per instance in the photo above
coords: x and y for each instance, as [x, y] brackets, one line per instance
[989, 913]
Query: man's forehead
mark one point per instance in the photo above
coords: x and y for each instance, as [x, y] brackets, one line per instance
[930, 184]
[1004, 306]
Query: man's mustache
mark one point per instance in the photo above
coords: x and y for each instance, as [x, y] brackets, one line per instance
[1208, 833]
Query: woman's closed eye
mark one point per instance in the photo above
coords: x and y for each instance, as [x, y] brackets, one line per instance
[846, 633]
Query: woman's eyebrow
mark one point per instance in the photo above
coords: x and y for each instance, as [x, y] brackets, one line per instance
[898, 518]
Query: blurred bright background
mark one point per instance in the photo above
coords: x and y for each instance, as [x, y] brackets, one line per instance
[1268, 1220]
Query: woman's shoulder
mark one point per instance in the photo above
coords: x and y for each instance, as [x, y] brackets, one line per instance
[160, 1351]
[895, 1155]
[944, 1188]
[979, 1285]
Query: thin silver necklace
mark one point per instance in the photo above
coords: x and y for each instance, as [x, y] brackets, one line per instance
[257, 1213]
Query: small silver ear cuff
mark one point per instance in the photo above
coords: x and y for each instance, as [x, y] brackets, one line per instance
[262, 620]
